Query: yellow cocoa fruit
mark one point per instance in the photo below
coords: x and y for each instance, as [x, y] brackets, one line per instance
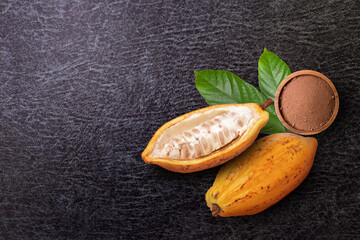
[261, 176]
[206, 137]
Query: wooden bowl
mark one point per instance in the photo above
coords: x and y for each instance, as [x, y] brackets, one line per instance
[277, 102]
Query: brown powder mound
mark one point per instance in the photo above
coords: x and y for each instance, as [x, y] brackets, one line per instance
[307, 102]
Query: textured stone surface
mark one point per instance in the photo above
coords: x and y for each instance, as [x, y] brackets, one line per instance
[83, 87]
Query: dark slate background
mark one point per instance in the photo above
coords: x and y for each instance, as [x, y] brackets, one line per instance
[84, 86]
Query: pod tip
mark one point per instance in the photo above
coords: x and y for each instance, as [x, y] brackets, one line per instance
[215, 210]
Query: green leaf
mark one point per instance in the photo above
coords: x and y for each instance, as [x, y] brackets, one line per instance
[274, 125]
[272, 70]
[221, 87]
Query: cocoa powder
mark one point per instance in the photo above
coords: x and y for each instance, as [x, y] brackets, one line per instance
[307, 102]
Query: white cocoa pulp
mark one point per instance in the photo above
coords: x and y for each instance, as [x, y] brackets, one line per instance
[203, 133]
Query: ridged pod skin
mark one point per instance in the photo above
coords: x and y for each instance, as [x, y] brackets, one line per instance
[261, 176]
[220, 156]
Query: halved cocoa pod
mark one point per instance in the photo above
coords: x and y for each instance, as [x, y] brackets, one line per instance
[206, 138]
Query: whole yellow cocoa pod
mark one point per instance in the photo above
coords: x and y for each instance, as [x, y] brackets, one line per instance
[262, 175]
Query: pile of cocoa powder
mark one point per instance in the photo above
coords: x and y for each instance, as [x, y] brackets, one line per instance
[307, 102]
